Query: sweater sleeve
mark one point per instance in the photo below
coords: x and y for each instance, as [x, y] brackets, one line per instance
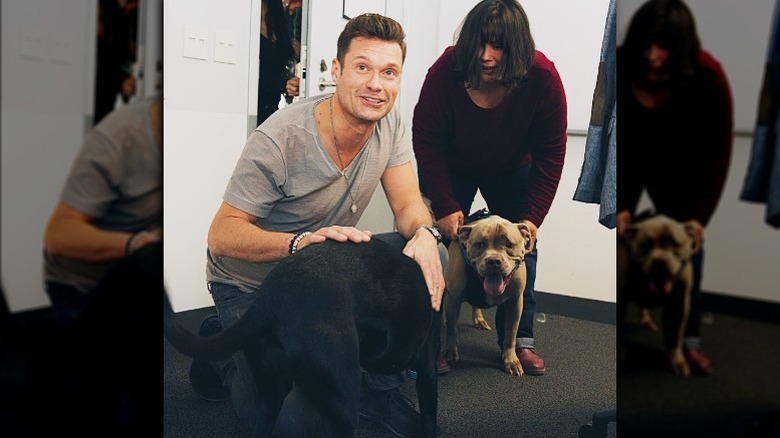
[547, 148]
[718, 139]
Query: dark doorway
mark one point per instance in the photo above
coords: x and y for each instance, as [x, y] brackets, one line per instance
[116, 52]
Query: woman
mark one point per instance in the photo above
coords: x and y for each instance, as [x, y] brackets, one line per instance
[492, 117]
[676, 130]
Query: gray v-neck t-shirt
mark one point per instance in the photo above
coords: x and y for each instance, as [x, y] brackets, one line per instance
[286, 178]
[116, 179]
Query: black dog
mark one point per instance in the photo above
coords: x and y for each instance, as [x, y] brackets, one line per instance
[320, 316]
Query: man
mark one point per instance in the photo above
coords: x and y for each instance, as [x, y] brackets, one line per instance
[98, 245]
[110, 206]
[305, 176]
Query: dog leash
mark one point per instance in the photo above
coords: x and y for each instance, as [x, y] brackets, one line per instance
[482, 213]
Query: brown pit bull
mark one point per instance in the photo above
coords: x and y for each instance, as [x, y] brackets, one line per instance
[486, 269]
[653, 270]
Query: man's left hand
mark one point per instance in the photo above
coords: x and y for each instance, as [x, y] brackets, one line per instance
[424, 249]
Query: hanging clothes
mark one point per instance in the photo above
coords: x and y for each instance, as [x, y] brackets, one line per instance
[762, 182]
[596, 184]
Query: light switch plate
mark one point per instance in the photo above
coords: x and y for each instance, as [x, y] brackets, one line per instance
[196, 42]
[62, 49]
[225, 47]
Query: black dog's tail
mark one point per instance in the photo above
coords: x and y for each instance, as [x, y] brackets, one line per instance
[220, 345]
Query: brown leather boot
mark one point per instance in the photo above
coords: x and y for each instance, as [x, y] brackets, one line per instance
[532, 364]
[699, 363]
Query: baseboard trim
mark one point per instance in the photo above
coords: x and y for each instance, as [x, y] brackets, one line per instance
[605, 312]
[575, 307]
[741, 307]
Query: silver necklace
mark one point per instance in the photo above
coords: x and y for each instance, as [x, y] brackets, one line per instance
[343, 170]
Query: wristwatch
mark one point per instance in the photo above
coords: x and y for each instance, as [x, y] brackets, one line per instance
[433, 231]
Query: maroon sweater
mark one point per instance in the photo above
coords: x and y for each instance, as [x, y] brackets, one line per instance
[679, 153]
[449, 131]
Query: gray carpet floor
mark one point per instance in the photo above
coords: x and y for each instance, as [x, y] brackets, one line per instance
[476, 398]
[741, 399]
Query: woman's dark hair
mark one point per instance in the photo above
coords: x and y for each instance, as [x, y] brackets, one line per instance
[370, 26]
[276, 21]
[504, 24]
[669, 24]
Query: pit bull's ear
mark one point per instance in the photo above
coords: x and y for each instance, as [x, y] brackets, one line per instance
[526, 233]
[693, 231]
[464, 232]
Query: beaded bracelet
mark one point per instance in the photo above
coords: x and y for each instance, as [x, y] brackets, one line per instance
[130, 242]
[296, 240]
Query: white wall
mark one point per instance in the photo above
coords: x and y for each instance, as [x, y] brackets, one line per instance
[205, 112]
[48, 52]
[741, 250]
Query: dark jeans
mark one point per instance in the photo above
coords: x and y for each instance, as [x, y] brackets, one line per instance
[506, 195]
[231, 303]
[693, 329]
[67, 302]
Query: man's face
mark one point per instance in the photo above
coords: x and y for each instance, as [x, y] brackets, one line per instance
[370, 78]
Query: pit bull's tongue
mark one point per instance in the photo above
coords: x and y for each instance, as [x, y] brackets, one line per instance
[494, 284]
[661, 287]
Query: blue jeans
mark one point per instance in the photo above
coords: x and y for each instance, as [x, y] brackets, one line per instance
[506, 195]
[231, 303]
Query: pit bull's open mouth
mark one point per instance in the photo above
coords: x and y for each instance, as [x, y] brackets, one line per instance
[661, 284]
[494, 284]
[660, 279]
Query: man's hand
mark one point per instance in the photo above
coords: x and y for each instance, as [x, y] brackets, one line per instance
[424, 249]
[337, 233]
[448, 225]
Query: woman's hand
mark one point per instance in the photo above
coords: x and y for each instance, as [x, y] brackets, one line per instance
[292, 86]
